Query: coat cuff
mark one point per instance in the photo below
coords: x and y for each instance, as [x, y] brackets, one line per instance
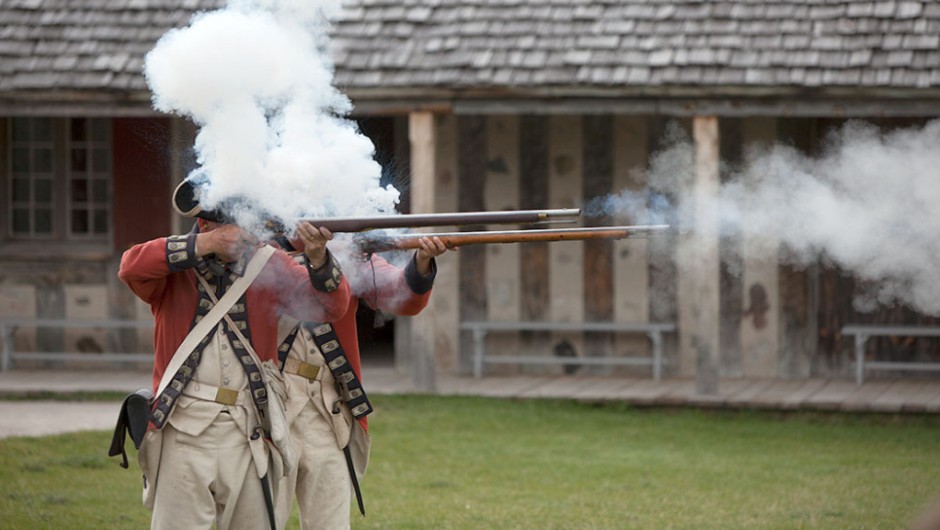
[328, 276]
[418, 282]
[181, 252]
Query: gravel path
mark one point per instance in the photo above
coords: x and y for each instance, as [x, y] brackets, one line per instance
[41, 418]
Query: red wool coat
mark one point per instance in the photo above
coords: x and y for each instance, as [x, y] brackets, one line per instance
[400, 291]
[283, 286]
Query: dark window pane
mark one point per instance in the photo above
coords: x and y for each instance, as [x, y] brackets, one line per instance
[20, 129]
[42, 129]
[99, 191]
[101, 221]
[42, 160]
[79, 160]
[20, 190]
[100, 130]
[79, 130]
[43, 221]
[101, 160]
[79, 221]
[79, 190]
[20, 221]
[42, 191]
[21, 160]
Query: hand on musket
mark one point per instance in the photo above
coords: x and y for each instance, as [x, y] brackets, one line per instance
[228, 242]
[429, 247]
[314, 240]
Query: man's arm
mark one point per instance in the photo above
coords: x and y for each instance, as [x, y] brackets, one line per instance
[401, 291]
[146, 266]
[424, 256]
[320, 292]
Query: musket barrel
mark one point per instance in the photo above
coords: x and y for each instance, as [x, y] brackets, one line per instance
[361, 224]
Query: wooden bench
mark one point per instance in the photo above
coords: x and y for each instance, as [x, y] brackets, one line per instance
[863, 332]
[652, 330]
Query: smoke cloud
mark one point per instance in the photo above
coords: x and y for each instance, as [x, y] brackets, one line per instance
[863, 204]
[257, 80]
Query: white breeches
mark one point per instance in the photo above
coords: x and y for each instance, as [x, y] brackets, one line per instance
[321, 482]
[208, 478]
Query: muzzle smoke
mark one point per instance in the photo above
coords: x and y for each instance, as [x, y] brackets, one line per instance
[864, 204]
[257, 80]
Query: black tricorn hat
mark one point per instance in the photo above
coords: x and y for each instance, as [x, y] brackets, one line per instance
[187, 203]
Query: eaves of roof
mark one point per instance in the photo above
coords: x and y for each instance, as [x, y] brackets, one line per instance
[676, 101]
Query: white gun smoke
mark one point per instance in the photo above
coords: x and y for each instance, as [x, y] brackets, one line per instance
[256, 78]
[865, 204]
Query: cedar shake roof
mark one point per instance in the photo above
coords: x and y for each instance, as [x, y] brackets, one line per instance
[639, 43]
[62, 49]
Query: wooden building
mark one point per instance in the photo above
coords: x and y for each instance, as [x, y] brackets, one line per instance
[485, 105]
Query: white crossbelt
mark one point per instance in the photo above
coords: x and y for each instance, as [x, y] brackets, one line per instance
[208, 322]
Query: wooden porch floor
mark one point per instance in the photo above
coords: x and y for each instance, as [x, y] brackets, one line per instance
[876, 395]
[880, 395]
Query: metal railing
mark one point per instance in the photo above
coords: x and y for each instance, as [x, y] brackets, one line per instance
[8, 327]
[653, 330]
[863, 332]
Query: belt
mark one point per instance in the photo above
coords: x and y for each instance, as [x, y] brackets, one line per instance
[225, 396]
[305, 370]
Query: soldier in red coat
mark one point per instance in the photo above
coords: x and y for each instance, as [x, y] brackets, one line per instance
[327, 408]
[205, 458]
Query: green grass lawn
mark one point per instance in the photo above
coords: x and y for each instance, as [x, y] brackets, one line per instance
[480, 463]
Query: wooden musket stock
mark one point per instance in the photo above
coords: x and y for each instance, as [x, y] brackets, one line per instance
[372, 242]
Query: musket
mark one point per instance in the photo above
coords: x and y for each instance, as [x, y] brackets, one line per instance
[361, 224]
[381, 242]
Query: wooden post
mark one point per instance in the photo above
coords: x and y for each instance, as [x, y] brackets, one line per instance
[501, 192]
[631, 256]
[760, 327]
[730, 250]
[433, 188]
[534, 257]
[598, 273]
[402, 181]
[798, 289]
[665, 281]
[471, 180]
[698, 263]
[566, 258]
